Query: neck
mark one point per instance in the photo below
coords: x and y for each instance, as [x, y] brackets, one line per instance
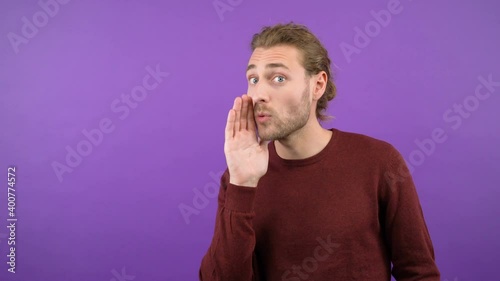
[305, 142]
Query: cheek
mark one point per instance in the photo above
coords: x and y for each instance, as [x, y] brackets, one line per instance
[286, 104]
[291, 99]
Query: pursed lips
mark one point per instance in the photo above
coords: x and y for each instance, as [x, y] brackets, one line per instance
[263, 114]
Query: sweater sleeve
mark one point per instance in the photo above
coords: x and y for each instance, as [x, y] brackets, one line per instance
[409, 243]
[230, 255]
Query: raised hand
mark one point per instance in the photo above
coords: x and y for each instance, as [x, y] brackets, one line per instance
[247, 157]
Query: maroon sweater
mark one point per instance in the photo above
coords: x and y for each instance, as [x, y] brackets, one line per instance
[345, 213]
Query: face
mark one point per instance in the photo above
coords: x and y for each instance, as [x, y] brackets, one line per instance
[279, 89]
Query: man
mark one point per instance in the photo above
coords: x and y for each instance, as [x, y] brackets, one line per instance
[300, 202]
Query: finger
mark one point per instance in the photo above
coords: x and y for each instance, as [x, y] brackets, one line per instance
[250, 117]
[237, 108]
[244, 111]
[229, 132]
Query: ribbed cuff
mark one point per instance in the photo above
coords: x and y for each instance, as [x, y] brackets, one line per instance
[240, 198]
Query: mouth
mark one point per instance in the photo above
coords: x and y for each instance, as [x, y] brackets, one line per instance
[263, 117]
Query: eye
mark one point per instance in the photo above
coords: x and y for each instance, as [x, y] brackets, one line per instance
[279, 79]
[252, 80]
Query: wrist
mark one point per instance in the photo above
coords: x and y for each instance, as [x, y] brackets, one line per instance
[248, 183]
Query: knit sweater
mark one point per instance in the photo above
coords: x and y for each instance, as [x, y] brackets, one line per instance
[345, 213]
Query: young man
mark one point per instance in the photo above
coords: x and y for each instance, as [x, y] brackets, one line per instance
[300, 202]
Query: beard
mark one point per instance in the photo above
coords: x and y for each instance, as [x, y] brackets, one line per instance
[280, 128]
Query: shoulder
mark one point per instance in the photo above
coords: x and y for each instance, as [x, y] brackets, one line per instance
[366, 147]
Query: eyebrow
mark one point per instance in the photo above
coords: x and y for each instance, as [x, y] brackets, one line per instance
[270, 65]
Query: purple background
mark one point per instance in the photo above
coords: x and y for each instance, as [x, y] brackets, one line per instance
[119, 208]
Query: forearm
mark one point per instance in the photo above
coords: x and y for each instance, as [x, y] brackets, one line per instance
[412, 252]
[230, 254]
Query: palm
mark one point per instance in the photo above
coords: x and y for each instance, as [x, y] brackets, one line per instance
[247, 158]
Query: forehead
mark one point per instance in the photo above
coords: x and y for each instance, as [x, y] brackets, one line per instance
[286, 55]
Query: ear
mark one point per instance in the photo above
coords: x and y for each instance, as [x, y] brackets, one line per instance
[319, 82]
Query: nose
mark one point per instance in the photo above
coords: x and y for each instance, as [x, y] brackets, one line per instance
[258, 93]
